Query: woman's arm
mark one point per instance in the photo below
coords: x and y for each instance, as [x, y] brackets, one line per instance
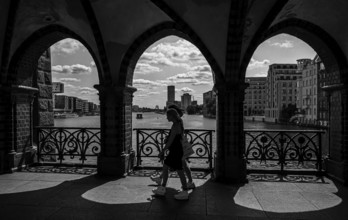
[176, 129]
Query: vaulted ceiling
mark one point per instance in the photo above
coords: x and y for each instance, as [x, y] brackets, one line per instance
[228, 30]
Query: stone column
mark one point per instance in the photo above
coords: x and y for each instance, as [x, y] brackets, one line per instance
[5, 127]
[21, 151]
[337, 163]
[345, 134]
[43, 105]
[230, 164]
[116, 130]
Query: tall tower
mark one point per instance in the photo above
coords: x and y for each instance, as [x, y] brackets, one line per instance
[185, 100]
[171, 95]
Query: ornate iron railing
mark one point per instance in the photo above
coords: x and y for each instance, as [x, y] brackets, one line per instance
[68, 145]
[284, 146]
[150, 142]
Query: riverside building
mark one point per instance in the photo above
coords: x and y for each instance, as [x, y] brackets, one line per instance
[170, 95]
[323, 102]
[255, 96]
[307, 91]
[280, 89]
[185, 100]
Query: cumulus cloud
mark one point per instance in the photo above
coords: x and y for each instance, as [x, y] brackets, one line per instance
[190, 75]
[153, 93]
[158, 58]
[70, 80]
[78, 68]
[253, 64]
[186, 89]
[147, 82]
[67, 46]
[180, 50]
[92, 64]
[73, 69]
[86, 89]
[61, 69]
[144, 68]
[88, 92]
[202, 83]
[285, 44]
[176, 54]
[202, 68]
[141, 95]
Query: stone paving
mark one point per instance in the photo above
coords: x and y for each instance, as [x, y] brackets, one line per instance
[26, 195]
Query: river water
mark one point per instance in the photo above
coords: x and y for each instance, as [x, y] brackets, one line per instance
[154, 120]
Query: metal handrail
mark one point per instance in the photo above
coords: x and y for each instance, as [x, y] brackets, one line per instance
[150, 142]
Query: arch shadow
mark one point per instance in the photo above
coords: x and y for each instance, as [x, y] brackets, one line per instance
[95, 197]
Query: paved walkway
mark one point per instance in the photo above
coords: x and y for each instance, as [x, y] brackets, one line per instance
[25, 195]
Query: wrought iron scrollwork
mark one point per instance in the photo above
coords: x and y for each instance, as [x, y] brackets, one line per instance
[150, 142]
[57, 144]
[284, 146]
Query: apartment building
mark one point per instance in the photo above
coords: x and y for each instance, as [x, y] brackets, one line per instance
[255, 96]
[281, 89]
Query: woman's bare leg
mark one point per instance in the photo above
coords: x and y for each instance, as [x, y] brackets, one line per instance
[182, 176]
[165, 175]
[187, 170]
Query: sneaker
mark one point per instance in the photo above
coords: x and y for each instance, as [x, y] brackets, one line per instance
[183, 195]
[160, 191]
[191, 185]
[157, 179]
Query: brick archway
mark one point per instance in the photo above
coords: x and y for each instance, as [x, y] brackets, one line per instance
[28, 94]
[321, 41]
[25, 59]
[336, 67]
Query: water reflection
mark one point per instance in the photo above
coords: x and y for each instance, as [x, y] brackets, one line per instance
[154, 120]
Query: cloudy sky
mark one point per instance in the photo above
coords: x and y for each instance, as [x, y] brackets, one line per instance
[169, 61]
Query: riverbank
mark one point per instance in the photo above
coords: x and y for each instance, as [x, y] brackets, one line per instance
[154, 120]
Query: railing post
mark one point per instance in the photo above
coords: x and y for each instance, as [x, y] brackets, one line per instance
[162, 140]
[138, 150]
[281, 156]
[210, 150]
[319, 159]
[38, 143]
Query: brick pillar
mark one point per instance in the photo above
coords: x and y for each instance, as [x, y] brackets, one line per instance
[230, 164]
[43, 105]
[116, 130]
[5, 127]
[21, 151]
[345, 135]
[337, 163]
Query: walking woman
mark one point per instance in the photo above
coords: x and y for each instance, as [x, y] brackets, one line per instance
[158, 178]
[173, 160]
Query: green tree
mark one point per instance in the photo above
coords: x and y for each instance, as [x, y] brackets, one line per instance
[287, 112]
[211, 107]
[191, 110]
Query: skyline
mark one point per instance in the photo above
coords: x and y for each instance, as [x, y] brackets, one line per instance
[169, 61]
